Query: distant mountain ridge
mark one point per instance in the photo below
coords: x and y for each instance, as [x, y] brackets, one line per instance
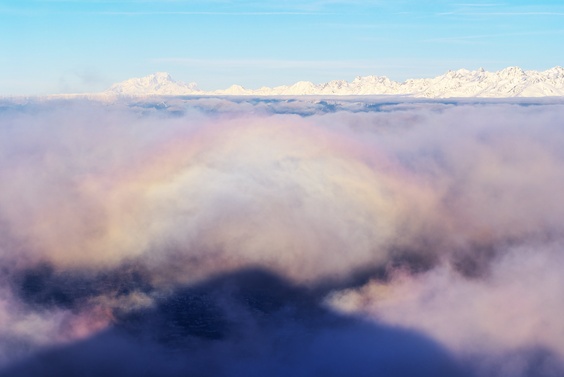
[508, 82]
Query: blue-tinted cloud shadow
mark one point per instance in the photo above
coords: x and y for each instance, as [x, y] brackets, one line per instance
[247, 323]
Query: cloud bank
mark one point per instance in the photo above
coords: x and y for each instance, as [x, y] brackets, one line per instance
[147, 227]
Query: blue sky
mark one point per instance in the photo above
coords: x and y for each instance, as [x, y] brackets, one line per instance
[65, 46]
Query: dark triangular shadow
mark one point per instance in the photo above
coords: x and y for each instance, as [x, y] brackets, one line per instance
[247, 323]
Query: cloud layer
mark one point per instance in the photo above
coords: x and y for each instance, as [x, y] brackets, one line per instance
[440, 220]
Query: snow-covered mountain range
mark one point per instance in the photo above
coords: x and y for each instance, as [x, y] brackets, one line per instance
[509, 82]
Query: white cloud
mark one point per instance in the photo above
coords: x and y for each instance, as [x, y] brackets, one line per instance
[464, 198]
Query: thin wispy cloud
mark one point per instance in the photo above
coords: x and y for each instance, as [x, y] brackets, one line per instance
[266, 63]
[472, 11]
[482, 38]
[555, 14]
[479, 5]
[203, 13]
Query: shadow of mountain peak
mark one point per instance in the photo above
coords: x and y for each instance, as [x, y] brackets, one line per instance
[250, 322]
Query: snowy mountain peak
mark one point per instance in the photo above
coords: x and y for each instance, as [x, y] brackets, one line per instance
[512, 72]
[508, 82]
[160, 77]
[555, 72]
[160, 83]
[237, 90]
[458, 73]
